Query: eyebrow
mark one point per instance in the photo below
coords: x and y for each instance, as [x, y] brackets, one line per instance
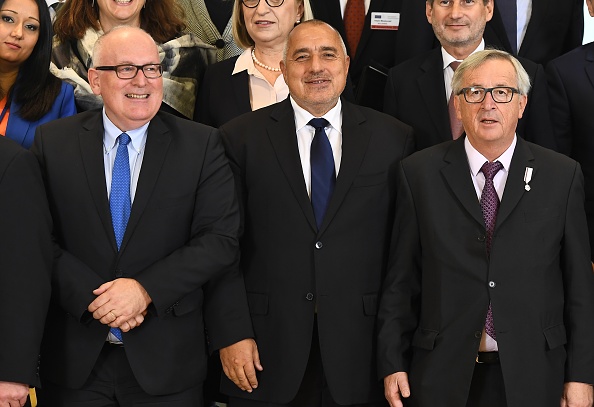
[12, 11]
[322, 48]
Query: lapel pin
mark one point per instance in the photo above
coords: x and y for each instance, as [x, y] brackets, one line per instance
[527, 178]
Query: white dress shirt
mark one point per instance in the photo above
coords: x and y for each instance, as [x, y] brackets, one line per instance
[305, 135]
[524, 10]
[476, 161]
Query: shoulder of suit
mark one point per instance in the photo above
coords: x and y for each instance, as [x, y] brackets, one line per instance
[222, 68]
[414, 64]
[574, 59]
[376, 118]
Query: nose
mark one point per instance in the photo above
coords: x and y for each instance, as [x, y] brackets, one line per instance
[139, 79]
[456, 11]
[316, 63]
[488, 103]
[17, 32]
[262, 7]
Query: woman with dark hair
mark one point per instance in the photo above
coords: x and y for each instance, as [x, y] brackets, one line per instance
[79, 23]
[29, 94]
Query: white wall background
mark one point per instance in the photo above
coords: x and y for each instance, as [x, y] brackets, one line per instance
[588, 26]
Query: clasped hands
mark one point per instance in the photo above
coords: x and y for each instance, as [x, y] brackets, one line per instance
[120, 303]
[13, 394]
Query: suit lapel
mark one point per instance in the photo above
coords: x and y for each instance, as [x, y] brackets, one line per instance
[283, 137]
[240, 84]
[590, 63]
[90, 141]
[515, 185]
[432, 91]
[157, 144]
[457, 176]
[537, 17]
[355, 139]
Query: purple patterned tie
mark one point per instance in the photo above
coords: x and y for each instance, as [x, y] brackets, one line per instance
[455, 123]
[490, 205]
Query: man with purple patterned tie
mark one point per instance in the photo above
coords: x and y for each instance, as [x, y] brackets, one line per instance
[489, 296]
[316, 181]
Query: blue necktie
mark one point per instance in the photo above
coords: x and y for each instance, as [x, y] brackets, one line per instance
[323, 172]
[119, 198]
[509, 14]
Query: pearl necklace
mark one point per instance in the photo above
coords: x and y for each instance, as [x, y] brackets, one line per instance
[261, 64]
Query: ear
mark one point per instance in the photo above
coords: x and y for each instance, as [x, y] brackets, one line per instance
[94, 81]
[283, 69]
[300, 11]
[457, 106]
[590, 4]
[428, 11]
[489, 7]
[523, 100]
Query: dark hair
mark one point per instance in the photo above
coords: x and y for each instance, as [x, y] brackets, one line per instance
[162, 19]
[37, 88]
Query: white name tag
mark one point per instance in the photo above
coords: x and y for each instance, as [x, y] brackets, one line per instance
[384, 21]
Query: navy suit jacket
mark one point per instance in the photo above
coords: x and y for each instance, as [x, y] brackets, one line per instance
[571, 89]
[23, 131]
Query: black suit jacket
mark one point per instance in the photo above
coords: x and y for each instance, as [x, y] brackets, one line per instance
[554, 29]
[180, 241]
[538, 279]
[291, 269]
[376, 47]
[571, 88]
[25, 262]
[415, 94]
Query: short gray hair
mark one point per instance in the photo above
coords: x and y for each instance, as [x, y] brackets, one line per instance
[98, 46]
[314, 22]
[479, 58]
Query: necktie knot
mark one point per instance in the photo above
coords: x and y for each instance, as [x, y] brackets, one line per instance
[454, 65]
[490, 169]
[318, 123]
[124, 139]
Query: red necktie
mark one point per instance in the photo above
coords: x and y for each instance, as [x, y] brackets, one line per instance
[354, 21]
[455, 123]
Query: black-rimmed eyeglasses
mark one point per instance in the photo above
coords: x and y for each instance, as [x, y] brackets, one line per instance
[129, 71]
[254, 3]
[500, 94]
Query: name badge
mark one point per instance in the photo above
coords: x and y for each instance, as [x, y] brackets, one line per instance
[385, 21]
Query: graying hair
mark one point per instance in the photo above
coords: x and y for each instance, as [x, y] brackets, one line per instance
[479, 58]
[314, 22]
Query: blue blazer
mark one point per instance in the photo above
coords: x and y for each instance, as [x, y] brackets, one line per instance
[23, 131]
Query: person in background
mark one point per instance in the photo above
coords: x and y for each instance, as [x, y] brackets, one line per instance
[419, 90]
[29, 94]
[571, 95]
[538, 30]
[315, 176]
[253, 80]
[145, 225]
[489, 296]
[210, 20]
[26, 255]
[79, 23]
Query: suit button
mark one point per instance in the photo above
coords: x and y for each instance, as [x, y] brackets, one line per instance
[119, 273]
[492, 284]
[319, 245]
[478, 334]
[481, 238]
[309, 297]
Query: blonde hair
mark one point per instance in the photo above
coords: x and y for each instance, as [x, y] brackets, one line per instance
[240, 34]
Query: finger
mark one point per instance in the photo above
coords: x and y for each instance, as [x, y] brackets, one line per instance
[242, 380]
[139, 319]
[250, 374]
[125, 327]
[103, 287]
[98, 303]
[257, 363]
[404, 387]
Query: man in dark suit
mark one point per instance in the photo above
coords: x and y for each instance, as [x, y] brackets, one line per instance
[571, 90]
[25, 269]
[550, 28]
[373, 55]
[315, 232]
[418, 91]
[489, 297]
[146, 222]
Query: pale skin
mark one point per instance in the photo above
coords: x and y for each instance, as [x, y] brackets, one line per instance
[13, 394]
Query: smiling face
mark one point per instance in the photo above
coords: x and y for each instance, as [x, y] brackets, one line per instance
[459, 23]
[119, 12]
[129, 103]
[270, 26]
[316, 67]
[490, 126]
[19, 30]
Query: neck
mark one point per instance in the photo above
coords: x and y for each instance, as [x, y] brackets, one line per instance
[269, 56]
[7, 80]
[108, 24]
[461, 52]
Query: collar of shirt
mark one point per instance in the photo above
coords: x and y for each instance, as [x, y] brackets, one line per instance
[448, 72]
[302, 116]
[476, 161]
[343, 4]
[246, 63]
[111, 133]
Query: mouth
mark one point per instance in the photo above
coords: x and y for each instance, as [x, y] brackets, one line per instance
[123, 1]
[264, 23]
[489, 121]
[317, 81]
[13, 45]
[136, 96]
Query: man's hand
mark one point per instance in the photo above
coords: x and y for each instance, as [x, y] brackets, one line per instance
[240, 362]
[120, 303]
[13, 394]
[577, 395]
[395, 387]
